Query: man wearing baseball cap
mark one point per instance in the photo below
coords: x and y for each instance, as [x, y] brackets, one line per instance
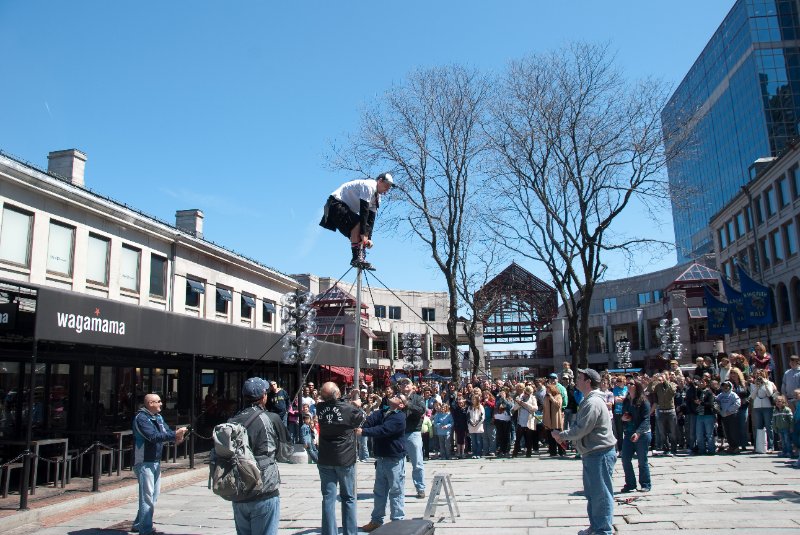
[352, 209]
[594, 439]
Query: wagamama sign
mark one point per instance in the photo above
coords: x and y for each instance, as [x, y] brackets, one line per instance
[82, 323]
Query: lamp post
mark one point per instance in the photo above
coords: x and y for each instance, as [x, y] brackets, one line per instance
[624, 353]
[669, 332]
[299, 325]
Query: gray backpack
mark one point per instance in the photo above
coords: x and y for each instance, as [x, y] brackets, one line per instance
[234, 469]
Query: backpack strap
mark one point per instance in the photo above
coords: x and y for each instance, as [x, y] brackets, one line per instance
[252, 418]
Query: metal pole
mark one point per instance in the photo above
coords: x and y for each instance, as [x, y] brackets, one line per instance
[26, 463]
[357, 366]
[191, 417]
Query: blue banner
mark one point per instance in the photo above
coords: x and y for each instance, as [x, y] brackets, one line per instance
[757, 300]
[735, 304]
[719, 314]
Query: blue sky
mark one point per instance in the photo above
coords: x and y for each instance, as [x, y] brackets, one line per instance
[231, 107]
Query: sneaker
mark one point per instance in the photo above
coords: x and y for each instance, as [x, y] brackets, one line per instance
[645, 489]
[626, 489]
[669, 454]
[420, 494]
[372, 526]
[587, 531]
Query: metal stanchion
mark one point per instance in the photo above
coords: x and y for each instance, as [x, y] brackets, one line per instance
[96, 468]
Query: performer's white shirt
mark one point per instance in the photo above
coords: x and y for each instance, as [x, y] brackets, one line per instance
[353, 192]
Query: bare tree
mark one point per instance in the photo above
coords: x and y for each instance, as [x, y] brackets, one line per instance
[429, 131]
[575, 144]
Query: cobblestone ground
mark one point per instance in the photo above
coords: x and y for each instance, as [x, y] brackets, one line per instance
[708, 495]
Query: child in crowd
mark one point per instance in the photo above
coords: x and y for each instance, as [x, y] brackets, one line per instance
[307, 435]
[782, 425]
[442, 424]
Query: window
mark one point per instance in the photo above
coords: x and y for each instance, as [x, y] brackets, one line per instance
[59, 249]
[158, 276]
[777, 246]
[193, 290]
[129, 268]
[731, 232]
[769, 199]
[796, 174]
[766, 259]
[656, 296]
[791, 238]
[380, 311]
[728, 268]
[224, 296]
[394, 313]
[759, 213]
[428, 314]
[15, 236]
[247, 305]
[748, 218]
[723, 241]
[269, 311]
[97, 259]
[740, 228]
[609, 304]
[784, 196]
[645, 298]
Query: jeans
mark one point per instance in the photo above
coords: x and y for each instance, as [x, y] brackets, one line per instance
[503, 436]
[691, 431]
[259, 517]
[390, 480]
[640, 447]
[744, 435]
[414, 450]
[149, 477]
[668, 430]
[619, 425]
[705, 433]
[477, 444]
[731, 426]
[363, 448]
[489, 441]
[345, 477]
[763, 418]
[786, 442]
[530, 440]
[444, 446]
[598, 469]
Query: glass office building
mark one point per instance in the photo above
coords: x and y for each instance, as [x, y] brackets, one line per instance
[739, 102]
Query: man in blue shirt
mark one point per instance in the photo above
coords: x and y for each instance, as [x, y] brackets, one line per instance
[620, 391]
[149, 434]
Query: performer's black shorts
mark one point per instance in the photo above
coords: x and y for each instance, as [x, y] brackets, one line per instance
[338, 216]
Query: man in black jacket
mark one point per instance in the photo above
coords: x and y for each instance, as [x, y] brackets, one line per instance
[415, 414]
[388, 432]
[260, 511]
[337, 458]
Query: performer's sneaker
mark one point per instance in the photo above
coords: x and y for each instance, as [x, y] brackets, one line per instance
[362, 264]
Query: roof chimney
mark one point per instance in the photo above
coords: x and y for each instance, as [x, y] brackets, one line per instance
[190, 221]
[68, 164]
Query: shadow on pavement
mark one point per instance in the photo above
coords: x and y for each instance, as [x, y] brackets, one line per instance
[791, 495]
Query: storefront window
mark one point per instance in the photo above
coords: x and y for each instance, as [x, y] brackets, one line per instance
[58, 404]
[9, 397]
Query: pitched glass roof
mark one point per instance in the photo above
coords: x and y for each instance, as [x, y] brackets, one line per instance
[698, 273]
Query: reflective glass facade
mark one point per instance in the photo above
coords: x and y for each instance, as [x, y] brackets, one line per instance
[740, 101]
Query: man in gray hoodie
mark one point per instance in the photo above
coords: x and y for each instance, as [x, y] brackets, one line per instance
[593, 437]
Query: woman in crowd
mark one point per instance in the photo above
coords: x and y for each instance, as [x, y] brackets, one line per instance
[636, 436]
[704, 405]
[736, 378]
[502, 422]
[489, 433]
[526, 422]
[760, 359]
[761, 392]
[460, 420]
[553, 419]
[442, 426]
[476, 417]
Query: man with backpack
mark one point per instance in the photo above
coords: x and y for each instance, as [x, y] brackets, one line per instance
[257, 511]
[337, 457]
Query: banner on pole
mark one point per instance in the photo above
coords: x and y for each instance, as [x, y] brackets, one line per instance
[719, 314]
[757, 300]
[735, 304]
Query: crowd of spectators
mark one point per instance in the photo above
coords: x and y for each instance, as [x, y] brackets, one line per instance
[729, 407]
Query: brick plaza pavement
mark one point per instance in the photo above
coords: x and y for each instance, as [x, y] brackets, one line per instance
[707, 495]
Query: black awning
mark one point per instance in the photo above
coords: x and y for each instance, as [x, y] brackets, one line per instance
[249, 301]
[225, 294]
[269, 307]
[195, 286]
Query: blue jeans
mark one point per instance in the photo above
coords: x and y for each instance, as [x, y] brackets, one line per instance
[363, 448]
[390, 480]
[444, 446]
[259, 517]
[477, 443]
[744, 439]
[763, 418]
[489, 438]
[345, 477]
[149, 477]
[705, 433]
[598, 469]
[786, 442]
[640, 447]
[414, 450]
